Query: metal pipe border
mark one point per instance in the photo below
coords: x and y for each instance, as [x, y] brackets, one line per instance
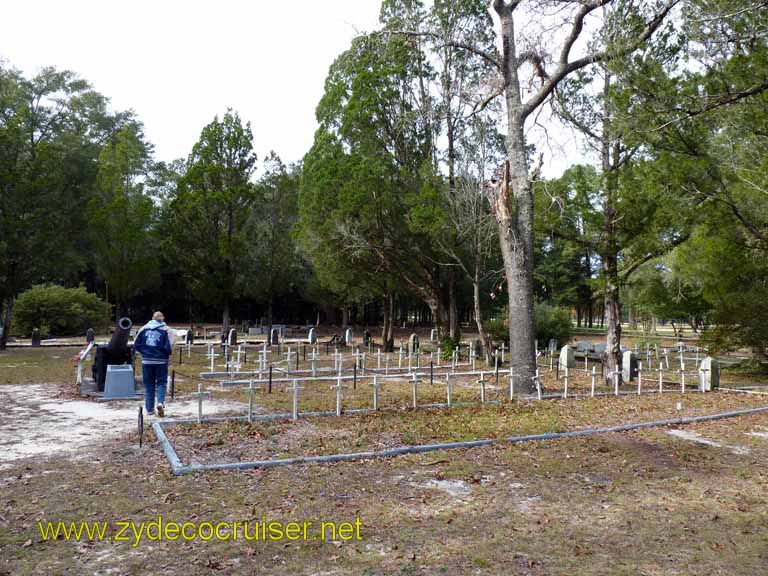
[178, 468]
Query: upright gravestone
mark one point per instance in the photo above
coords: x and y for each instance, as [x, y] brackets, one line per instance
[709, 373]
[477, 348]
[583, 346]
[312, 336]
[36, 337]
[232, 337]
[90, 335]
[567, 358]
[413, 344]
[600, 349]
[628, 366]
[552, 346]
[274, 336]
[433, 335]
[349, 337]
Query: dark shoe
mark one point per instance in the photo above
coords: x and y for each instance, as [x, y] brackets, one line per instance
[160, 410]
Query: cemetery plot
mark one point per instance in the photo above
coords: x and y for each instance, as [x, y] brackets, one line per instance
[235, 441]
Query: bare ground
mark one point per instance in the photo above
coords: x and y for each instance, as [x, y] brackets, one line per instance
[632, 503]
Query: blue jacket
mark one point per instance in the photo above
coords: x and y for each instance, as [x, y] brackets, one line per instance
[153, 343]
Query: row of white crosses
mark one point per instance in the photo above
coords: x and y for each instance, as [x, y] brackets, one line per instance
[377, 385]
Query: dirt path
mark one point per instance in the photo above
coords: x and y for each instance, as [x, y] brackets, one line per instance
[35, 422]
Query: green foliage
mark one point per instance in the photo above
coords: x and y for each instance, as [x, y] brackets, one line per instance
[367, 198]
[497, 328]
[732, 274]
[121, 216]
[57, 311]
[447, 346]
[658, 291]
[273, 255]
[52, 128]
[567, 218]
[551, 322]
[210, 212]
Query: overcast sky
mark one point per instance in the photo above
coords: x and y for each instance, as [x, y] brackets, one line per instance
[179, 63]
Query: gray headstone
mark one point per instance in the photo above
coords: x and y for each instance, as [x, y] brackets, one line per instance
[552, 346]
[709, 373]
[628, 366]
[413, 343]
[312, 336]
[567, 358]
[90, 335]
[433, 335]
[477, 347]
[232, 337]
[349, 337]
[274, 336]
[36, 337]
[583, 346]
[600, 349]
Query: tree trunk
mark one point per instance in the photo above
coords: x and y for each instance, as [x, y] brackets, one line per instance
[7, 315]
[453, 308]
[386, 323]
[387, 333]
[612, 314]
[225, 321]
[345, 316]
[610, 246]
[478, 315]
[514, 219]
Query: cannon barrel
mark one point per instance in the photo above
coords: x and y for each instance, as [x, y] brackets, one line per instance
[116, 351]
[118, 344]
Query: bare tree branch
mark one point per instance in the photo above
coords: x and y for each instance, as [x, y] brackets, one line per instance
[564, 68]
[487, 56]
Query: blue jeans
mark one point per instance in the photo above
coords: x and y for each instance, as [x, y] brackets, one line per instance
[155, 378]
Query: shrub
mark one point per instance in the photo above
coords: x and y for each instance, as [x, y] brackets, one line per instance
[57, 311]
[551, 322]
[497, 328]
[447, 346]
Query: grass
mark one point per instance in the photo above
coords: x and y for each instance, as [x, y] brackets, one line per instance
[237, 441]
[620, 504]
[37, 365]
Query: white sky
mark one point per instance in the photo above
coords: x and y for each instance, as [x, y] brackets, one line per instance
[178, 63]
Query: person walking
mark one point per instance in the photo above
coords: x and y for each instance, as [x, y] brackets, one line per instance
[155, 342]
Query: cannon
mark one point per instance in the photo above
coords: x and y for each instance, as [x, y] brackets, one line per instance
[115, 352]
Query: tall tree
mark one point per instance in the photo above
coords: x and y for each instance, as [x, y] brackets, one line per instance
[513, 195]
[51, 127]
[121, 217]
[377, 138]
[273, 253]
[210, 211]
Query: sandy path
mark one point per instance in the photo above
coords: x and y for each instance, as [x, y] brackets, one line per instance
[34, 422]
